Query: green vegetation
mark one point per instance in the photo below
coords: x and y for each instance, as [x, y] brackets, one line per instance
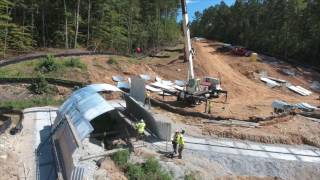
[153, 170]
[22, 104]
[113, 61]
[51, 64]
[74, 62]
[121, 157]
[13, 36]
[48, 64]
[24, 69]
[134, 172]
[150, 170]
[114, 25]
[49, 67]
[40, 85]
[286, 29]
[190, 176]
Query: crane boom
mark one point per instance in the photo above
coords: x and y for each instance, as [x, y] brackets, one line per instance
[187, 39]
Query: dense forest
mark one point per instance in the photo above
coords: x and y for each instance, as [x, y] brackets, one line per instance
[117, 25]
[288, 29]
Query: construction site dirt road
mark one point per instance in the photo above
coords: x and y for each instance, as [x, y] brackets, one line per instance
[247, 95]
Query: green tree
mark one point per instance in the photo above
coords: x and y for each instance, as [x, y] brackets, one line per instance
[285, 29]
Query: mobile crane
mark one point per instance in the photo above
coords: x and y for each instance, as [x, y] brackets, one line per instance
[196, 90]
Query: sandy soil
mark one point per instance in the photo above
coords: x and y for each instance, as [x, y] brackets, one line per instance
[101, 72]
[290, 130]
[247, 95]
[113, 172]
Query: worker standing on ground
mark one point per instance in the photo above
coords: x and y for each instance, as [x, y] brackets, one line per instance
[140, 126]
[175, 141]
[147, 99]
[181, 144]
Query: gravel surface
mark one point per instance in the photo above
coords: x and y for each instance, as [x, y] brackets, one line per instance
[249, 166]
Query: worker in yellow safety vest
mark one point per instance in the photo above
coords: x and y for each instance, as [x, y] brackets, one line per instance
[181, 144]
[175, 141]
[140, 126]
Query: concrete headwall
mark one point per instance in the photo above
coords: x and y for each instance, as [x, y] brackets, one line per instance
[65, 145]
[137, 90]
[159, 128]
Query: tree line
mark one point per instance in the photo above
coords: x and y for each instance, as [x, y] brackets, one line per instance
[288, 29]
[117, 25]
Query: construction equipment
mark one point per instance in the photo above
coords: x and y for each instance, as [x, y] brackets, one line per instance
[239, 50]
[196, 90]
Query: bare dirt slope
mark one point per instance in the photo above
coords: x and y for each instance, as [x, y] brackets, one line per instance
[247, 95]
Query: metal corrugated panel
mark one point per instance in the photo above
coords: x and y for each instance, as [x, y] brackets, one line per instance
[103, 87]
[123, 85]
[145, 77]
[118, 78]
[306, 107]
[84, 105]
[93, 106]
[77, 173]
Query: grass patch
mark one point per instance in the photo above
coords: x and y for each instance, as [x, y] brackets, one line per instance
[134, 172]
[190, 177]
[52, 64]
[121, 158]
[112, 61]
[19, 69]
[74, 62]
[153, 171]
[51, 67]
[23, 104]
[150, 170]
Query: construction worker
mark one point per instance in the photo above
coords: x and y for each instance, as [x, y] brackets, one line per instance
[181, 144]
[140, 126]
[210, 105]
[175, 141]
[147, 99]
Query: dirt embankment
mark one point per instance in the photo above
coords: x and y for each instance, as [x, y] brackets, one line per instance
[248, 96]
[287, 130]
